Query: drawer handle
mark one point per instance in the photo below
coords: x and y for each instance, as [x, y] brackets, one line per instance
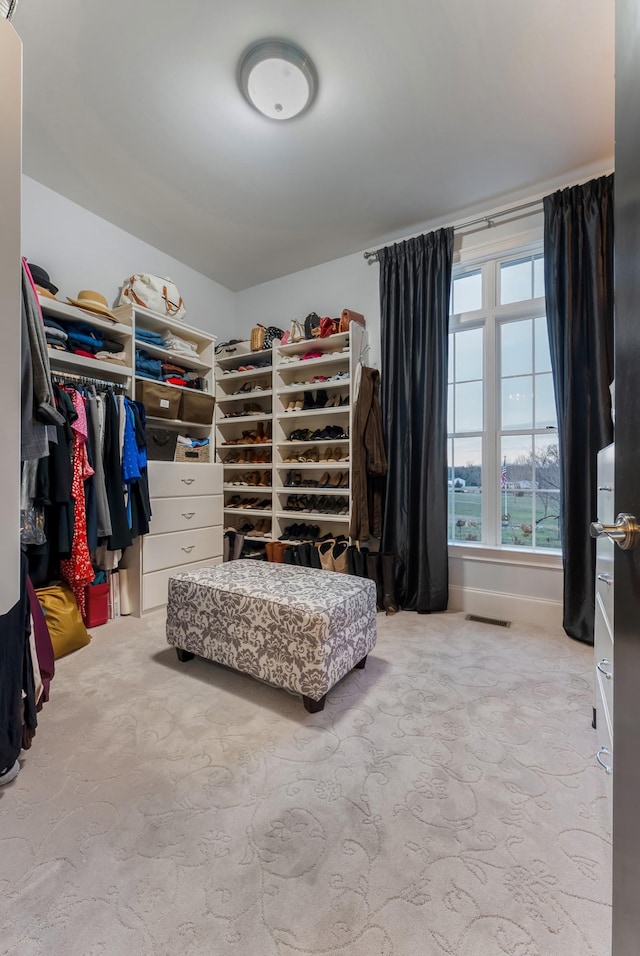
[606, 578]
[187, 481]
[605, 488]
[605, 766]
[607, 674]
[188, 515]
[189, 548]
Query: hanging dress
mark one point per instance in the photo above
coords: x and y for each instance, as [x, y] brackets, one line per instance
[77, 570]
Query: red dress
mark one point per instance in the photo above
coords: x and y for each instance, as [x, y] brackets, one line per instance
[77, 570]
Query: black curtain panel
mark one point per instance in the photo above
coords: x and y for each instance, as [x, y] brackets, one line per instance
[415, 283]
[578, 266]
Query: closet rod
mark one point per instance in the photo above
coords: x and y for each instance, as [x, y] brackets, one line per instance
[69, 378]
[534, 205]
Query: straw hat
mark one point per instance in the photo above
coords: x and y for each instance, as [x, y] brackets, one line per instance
[92, 301]
[44, 293]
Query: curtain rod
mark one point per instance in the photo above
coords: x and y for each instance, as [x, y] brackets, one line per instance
[487, 220]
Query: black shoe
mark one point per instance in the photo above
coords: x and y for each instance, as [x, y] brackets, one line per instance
[321, 398]
[308, 402]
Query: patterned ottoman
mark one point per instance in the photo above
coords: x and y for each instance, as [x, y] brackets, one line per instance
[297, 628]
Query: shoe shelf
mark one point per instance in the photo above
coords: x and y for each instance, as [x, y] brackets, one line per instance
[320, 466]
[239, 489]
[249, 444]
[317, 490]
[256, 512]
[313, 386]
[330, 343]
[248, 465]
[294, 517]
[310, 444]
[242, 358]
[229, 376]
[252, 417]
[223, 398]
[314, 412]
[330, 360]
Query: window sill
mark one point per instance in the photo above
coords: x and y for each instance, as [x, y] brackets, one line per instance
[522, 557]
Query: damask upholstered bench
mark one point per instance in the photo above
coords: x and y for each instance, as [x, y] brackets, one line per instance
[297, 628]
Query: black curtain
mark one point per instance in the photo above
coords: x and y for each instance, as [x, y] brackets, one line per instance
[415, 283]
[578, 267]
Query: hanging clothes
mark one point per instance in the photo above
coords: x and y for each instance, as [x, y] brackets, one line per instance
[77, 570]
[96, 433]
[14, 676]
[369, 460]
[120, 535]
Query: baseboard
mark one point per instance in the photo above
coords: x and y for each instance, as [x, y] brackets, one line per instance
[512, 607]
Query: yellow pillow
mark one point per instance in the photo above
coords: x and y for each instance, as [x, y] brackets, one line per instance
[64, 621]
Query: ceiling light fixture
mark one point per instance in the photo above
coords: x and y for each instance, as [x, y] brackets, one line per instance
[278, 79]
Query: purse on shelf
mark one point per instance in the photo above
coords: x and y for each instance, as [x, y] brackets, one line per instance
[257, 338]
[347, 317]
[311, 322]
[296, 333]
[328, 326]
[271, 333]
[155, 293]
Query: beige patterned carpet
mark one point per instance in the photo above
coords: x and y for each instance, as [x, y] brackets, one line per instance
[447, 801]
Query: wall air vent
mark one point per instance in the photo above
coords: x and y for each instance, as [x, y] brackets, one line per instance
[488, 620]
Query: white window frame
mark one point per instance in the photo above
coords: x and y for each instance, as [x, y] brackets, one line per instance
[490, 317]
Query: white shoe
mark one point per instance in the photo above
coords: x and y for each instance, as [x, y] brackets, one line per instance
[10, 774]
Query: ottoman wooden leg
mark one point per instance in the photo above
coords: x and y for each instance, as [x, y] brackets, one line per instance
[184, 656]
[360, 664]
[314, 706]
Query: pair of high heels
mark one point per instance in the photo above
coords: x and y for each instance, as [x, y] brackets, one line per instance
[246, 457]
[338, 480]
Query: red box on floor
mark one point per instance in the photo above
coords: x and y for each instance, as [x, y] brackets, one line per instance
[96, 604]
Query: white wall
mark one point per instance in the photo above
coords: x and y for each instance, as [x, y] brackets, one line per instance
[347, 283]
[80, 250]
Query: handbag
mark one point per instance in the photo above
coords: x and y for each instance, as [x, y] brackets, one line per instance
[328, 326]
[65, 624]
[297, 333]
[311, 322]
[154, 293]
[257, 338]
[347, 317]
[161, 443]
[271, 333]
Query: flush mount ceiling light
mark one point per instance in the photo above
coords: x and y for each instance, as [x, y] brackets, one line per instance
[278, 79]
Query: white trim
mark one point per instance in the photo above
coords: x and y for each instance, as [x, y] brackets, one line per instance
[511, 607]
[513, 557]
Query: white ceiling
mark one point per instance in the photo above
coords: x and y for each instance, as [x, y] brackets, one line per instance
[425, 107]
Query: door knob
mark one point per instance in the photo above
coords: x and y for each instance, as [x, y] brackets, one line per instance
[624, 532]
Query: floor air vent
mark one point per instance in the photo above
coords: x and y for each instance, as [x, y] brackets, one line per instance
[488, 620]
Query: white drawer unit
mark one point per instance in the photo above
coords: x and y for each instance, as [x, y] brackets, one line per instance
[180, 547]
[172, 479]
[182, 514]
[186, 525]
[603, 631]
[155, 585]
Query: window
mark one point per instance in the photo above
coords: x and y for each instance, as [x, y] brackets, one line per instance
[503, 469]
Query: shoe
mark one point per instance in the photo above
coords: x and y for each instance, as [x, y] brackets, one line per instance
[388, 562]
[325, 551]
[312, 455]
[333, 402]
[322, 399]
[339, 554]
[334, 481]
[308, 402]
[10, 773]
[344, 480]
[325, 480]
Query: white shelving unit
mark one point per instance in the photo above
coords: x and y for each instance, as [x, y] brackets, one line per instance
[186, 498]
[271, 389]
[250, 389]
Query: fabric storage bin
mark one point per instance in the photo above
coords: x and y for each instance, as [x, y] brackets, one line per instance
[96, 604]
[161, 443]
[197, 407]
[160, 401]
[193, 454]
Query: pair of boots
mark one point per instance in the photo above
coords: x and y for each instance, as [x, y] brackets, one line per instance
[303, 555]
[232, 545]
[380, 568]
[334, 555]
[275, 551]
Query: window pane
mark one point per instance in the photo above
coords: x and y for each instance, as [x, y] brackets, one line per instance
[450, 359]
[468, 414]
[517, 402]
[468, 355]
[449, 409]
[543, 357]
[515, 281]
[516, 346]
[467, 293]
[516, 491]
[545, 401]
[547, 494]
[538, 276]
[465, 489]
